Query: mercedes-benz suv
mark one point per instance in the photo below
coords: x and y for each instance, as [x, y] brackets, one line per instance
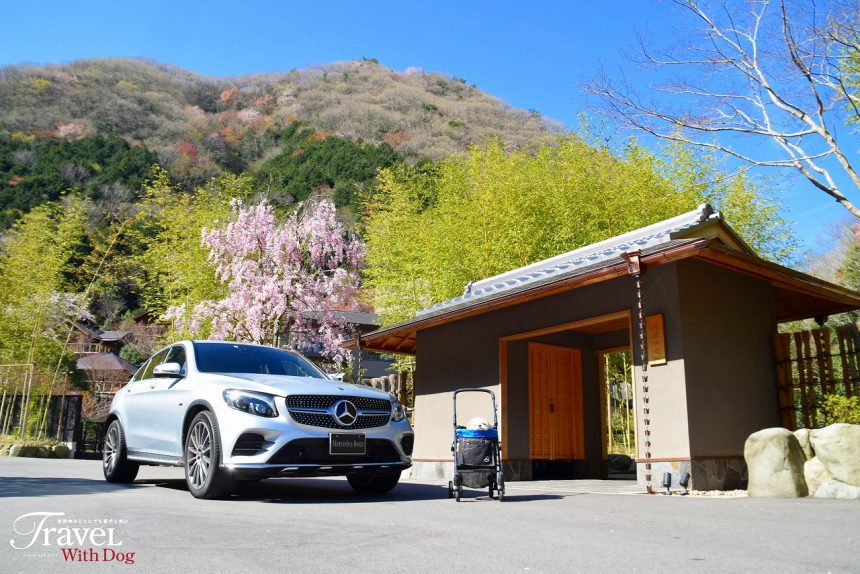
[235, 411]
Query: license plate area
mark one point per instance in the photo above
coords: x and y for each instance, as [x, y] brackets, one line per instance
[343, 443]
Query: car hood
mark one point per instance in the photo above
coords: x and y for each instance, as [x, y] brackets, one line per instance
[284, 385]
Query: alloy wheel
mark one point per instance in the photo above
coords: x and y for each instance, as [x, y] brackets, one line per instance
[199, 454]
[111, 448]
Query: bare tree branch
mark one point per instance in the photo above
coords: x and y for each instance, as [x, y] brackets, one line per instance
[764, 69]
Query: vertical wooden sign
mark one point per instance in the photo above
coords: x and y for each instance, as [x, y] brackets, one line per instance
[656, 339]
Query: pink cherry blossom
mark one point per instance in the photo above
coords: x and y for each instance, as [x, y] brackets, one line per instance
[286, 280]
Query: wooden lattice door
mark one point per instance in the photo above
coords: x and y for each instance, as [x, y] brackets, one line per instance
[555, 403]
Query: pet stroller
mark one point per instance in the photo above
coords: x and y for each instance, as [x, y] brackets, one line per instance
[477, 455]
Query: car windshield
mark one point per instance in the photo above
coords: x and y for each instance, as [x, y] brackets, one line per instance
[236, 358]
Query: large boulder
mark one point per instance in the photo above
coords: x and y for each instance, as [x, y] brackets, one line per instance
[815, 473]
[838, 448]
[803, 438]
[15, 450]
[775, 462]
[836, 489]
[60, 451]
[28, 450]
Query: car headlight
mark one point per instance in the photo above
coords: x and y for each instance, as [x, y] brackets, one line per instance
[398, 411]
[252, 403]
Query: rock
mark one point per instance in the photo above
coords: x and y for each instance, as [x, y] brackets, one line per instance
[42, 452]
[29, 450]
[775, 462]
[836, 489]
[838, 448]
[15, 450]
[620, 462]
[803, 438]
[815, 473]
[60, 451]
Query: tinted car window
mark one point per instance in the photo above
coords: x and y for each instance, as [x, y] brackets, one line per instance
[234, 358]
[155, 360]
[139, 374]
[177, 355]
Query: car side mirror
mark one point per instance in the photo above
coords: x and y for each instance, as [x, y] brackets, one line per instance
[167, 370]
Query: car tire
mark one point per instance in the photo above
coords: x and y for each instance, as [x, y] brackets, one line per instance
[374, 483]
[115, 463]
[204, 475]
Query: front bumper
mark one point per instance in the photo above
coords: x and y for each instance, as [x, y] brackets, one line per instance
[280, 446]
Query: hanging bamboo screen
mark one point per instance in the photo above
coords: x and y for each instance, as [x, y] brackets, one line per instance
[811, 364]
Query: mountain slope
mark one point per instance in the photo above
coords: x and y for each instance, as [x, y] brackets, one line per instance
[423, 114]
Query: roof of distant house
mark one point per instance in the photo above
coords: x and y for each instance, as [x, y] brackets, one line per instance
[104, 362]
[112, 335]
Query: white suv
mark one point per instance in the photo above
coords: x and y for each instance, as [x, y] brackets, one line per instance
[235, 411]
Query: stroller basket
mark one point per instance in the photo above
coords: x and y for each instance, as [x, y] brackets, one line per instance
[476, 452]
[477, 455]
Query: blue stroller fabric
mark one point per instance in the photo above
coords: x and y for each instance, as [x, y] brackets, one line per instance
[475, 433]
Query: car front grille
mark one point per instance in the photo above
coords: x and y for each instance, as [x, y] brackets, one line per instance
[315, 411]
[316, 451]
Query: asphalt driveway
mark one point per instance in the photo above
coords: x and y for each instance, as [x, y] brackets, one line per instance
[320, 525]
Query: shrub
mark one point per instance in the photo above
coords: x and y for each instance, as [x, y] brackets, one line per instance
[839, 409]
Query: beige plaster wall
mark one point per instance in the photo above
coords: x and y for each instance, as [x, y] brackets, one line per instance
[729, 319]
[666, 390]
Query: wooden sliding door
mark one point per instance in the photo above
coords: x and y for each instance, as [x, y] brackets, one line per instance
[555, 402]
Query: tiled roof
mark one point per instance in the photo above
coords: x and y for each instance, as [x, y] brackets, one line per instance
[104, 362]
[576, 261]
[112, 335]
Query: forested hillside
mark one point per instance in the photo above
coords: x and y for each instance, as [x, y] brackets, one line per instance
[90, 124]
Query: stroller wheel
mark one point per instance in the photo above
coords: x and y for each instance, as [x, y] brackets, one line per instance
[450, 489]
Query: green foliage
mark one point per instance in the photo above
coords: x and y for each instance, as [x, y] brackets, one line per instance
[839, 409]
[172, 266]
[430, 230]
[311, 162]
[33, 307]
[133, 354]
[33, 172]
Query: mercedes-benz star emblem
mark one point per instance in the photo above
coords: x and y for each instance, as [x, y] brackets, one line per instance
[345, 413]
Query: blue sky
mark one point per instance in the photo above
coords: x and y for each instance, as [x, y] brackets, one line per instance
[530, 54]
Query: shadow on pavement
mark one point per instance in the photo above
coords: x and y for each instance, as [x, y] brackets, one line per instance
[51, 486]
[289, 491]
[311, 491]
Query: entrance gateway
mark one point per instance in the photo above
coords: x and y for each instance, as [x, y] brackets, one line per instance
[539, 336]
[567, 375]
